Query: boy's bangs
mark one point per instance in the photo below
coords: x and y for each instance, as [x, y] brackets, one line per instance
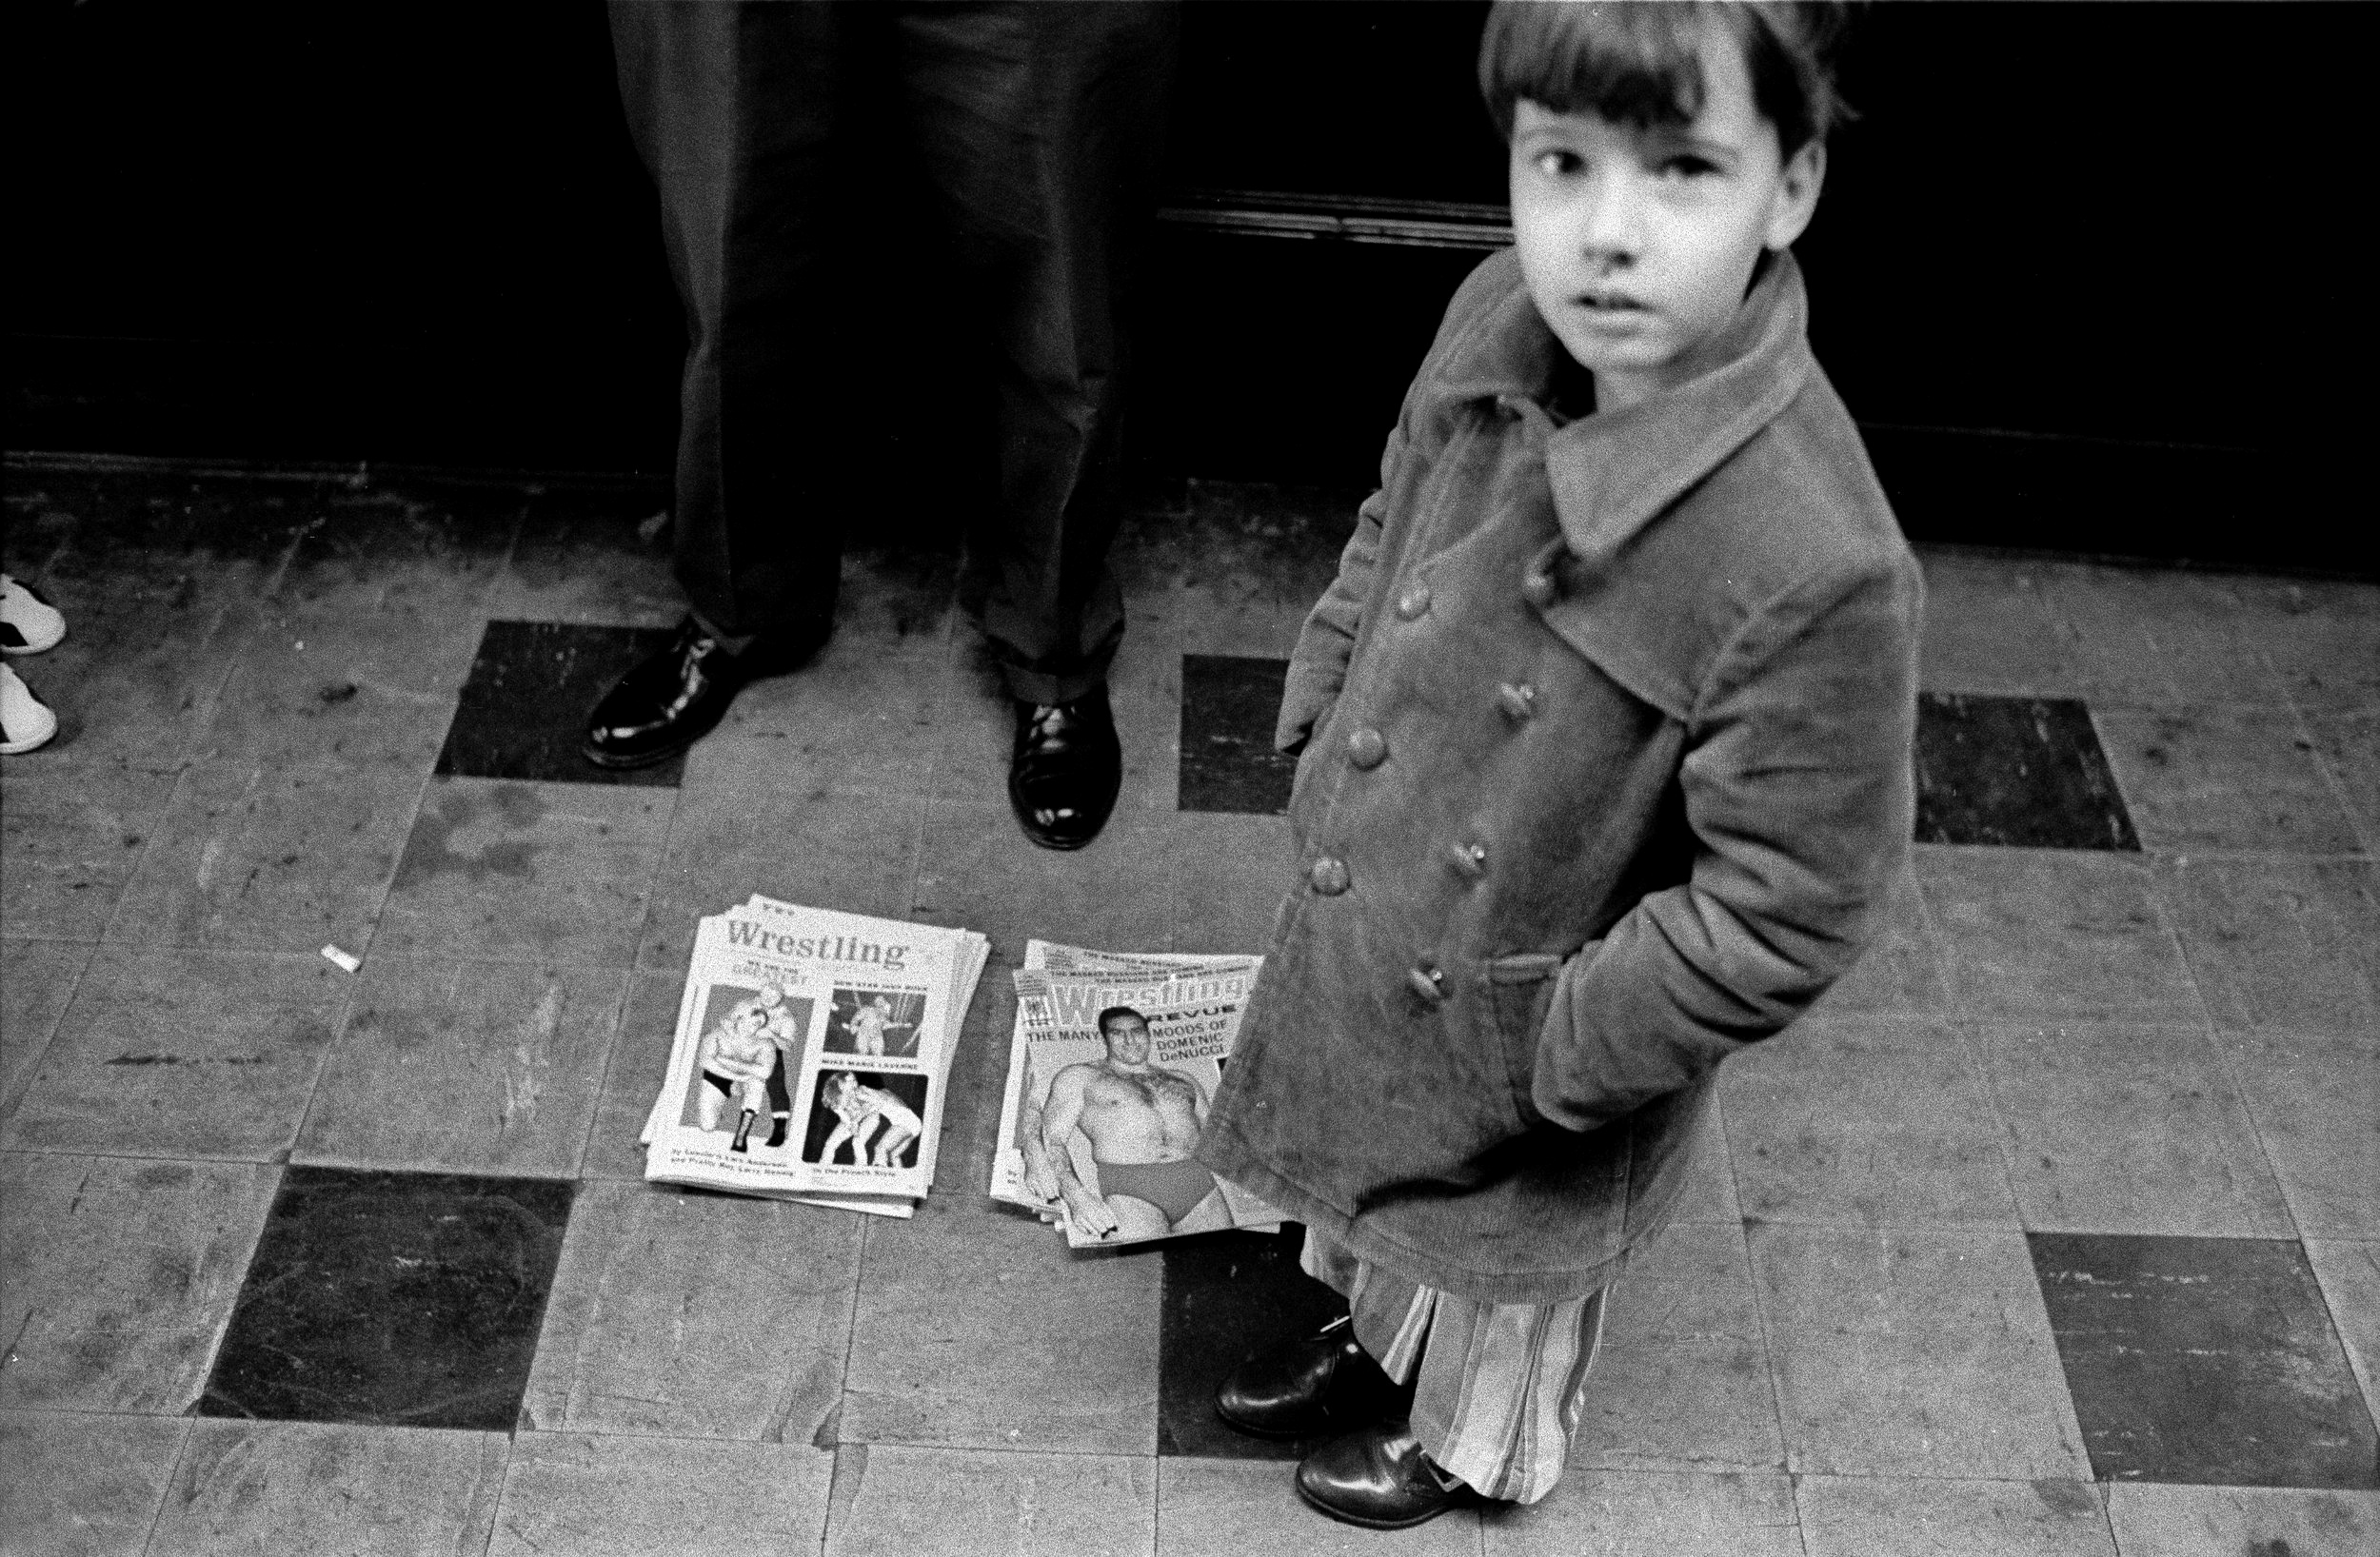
[1636, 64]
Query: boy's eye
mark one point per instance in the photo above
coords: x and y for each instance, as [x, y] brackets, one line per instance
[1687, 165]
[1557, 164]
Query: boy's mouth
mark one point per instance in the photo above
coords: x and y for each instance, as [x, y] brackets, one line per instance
[1609, 302]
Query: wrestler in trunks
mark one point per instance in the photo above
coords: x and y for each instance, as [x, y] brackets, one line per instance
[1143, 1121]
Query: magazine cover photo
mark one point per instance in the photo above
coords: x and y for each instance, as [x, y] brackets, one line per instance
[752, 1041]
[865, 1119]
[1113, 1079]
[875, 1021]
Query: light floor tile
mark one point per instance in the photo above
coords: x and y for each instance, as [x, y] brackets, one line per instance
[2349, 1274]
[1906, 1353]
[632, 1077]
[303, 1489]
[2128, 1130]
[72, 835]
[2318, 638]
[929, 1502]
[2215, 777]
[2315, 1097]
[40, 978]
[1864, 1121]
[183, 1054]
[743, 831]
[76, 1486]
[2152, 1521]
[465, 1067]
[122, 1275]
[977, 869]
[858, 720]
[1032, 1348]
[576, 1496]
[151, 637]
[1709, 1195]
[592, 555]
[684, 1314]
[1903, 973]
[2152, 635]
[1882, 1516]
[274, 860]
[1644, 1513]
[1990, 628]
[2348, 746]
[897, 598]
[2055, 933]
[364, 672]
[1230, 875]
[1681, 1379]
[526, 872]
[2288, 943]
[1235, 1507]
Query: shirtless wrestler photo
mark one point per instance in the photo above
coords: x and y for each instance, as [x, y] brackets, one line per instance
[1141, 1121]
[738, 1060]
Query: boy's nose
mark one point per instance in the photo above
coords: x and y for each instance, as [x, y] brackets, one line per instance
[1608, 224]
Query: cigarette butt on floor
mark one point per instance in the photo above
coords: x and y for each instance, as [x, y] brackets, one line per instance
[346, 959]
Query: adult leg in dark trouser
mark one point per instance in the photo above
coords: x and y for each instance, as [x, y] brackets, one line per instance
[733, 108]
[1037, 125]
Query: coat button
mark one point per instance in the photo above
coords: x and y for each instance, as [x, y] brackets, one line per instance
[1413, 602]
[1539, 589]
[1327, 876]
[1367, 747]
[1426, 982]
[1469, 859]
[1519, 701]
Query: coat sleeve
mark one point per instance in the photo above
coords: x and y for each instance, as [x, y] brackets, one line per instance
[1797, 789]
[1317, 667]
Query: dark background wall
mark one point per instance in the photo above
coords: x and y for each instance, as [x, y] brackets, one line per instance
[2083, 271]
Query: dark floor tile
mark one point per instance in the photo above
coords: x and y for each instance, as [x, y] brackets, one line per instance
[2022, 771]
[393, 1300]
[1228, 705]
[1227, 1295]
[523, 708]
[2204, 1361]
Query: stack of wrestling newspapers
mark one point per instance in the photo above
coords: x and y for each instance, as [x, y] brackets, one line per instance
[812, 1057]
[1112, 1067]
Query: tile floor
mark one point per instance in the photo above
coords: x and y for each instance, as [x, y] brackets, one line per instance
[2055, 1229]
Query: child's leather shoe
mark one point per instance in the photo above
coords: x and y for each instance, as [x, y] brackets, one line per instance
[1302, 1388]
[1380, 1478]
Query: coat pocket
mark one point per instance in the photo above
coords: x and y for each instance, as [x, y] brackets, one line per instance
[1520, 991]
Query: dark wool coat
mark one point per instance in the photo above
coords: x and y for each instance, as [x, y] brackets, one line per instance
[1609, 766]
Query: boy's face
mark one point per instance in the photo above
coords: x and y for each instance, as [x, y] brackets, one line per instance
[1638, 245]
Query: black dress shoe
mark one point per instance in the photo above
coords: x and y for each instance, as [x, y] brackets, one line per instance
[1379, 1478]
[1065, 771]
[677, 697]
[1304, 1388]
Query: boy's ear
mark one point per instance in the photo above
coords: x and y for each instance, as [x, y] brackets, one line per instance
[1797, 194]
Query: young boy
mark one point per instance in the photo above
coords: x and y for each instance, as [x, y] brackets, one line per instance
[1605, 726]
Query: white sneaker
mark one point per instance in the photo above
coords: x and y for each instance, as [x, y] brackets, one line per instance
[26, 721]
[27, 623]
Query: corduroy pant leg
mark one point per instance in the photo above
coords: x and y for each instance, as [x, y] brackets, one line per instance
[1039, 125]
[733, 108]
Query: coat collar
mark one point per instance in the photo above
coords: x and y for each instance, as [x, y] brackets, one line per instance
[1611, 473]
